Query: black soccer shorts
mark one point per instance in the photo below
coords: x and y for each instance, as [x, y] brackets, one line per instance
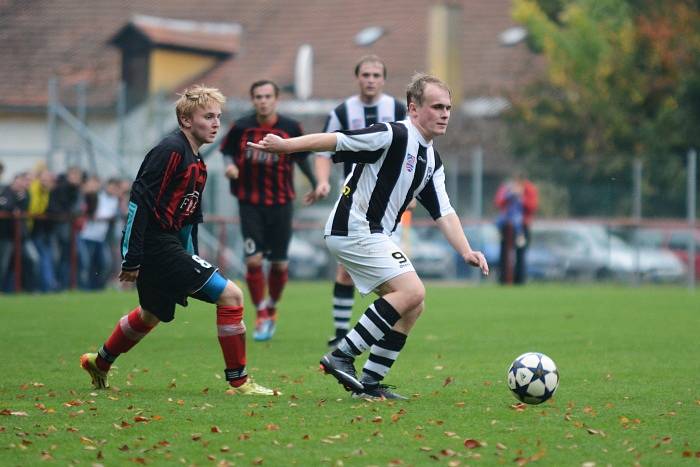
[266, 230]
[169, 274]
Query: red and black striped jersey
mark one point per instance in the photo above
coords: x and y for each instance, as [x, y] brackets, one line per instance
[166, 194]
[263, 178]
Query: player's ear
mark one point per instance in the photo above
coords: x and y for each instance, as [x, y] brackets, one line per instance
[186, 121]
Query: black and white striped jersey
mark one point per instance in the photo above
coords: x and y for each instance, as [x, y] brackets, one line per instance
[353, 114]
[393, 164]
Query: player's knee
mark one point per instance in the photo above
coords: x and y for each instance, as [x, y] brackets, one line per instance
[279, 266]
[342, 276]
[147, 317]
[254, 261]
[232, 295]
[415, 296]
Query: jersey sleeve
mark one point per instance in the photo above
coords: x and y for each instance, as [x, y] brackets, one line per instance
[433, 196]
[363, 146]
[332, 124]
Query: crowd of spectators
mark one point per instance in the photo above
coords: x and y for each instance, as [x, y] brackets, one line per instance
[59, 231]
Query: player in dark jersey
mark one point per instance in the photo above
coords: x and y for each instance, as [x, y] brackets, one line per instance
[370, 106]
[264, 186]
[159, 247]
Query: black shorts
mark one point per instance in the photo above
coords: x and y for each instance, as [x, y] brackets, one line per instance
[266, 230]
[169, 274]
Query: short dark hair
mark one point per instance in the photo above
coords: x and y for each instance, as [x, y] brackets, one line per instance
[416, 88]
[263, 82]
[370, 59]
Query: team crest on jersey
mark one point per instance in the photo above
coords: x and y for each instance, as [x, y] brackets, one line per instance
[410, 162]
[189, 203]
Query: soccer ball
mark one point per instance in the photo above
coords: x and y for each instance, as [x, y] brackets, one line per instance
[533, 377]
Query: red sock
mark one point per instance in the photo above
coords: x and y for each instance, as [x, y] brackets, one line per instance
[231, 332]
[127, 333]
[276, 282]
[256, 284]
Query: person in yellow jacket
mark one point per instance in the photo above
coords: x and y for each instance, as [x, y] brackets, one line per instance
[40, 227]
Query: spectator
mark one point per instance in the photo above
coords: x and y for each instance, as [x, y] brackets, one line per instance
[14, 201]
[40, 227]
[517, 201]
[65, 206]
[95, 253]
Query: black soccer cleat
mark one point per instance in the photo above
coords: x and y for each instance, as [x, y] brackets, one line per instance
[377, 391]
[343, 369]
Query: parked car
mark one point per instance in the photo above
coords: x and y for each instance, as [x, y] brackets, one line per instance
[429, 252]
[579, 251]
[307, 261]
[670, 238]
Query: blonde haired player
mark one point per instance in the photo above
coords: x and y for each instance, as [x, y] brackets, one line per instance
[159, 246]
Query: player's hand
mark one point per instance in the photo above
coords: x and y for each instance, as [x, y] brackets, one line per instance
[231, 171]
[477, 259]
[270, 143]
[309, 198]
[128, 276]
[322, 190]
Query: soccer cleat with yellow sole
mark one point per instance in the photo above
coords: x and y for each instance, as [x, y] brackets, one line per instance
[99, 377]
[251, 388]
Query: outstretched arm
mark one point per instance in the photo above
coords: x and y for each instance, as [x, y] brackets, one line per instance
[312, 142]
[451, 228]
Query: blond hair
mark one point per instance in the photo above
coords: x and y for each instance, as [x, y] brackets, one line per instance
[416, 88]
[197, 96]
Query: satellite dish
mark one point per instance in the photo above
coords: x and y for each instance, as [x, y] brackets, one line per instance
[513, 36]
[303, 72]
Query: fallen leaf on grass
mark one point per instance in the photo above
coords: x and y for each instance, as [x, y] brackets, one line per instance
[448, 380]
[472, 443]
[14, 413]
[272, 427]
[518, 407]
[215, 429]
[593, 431]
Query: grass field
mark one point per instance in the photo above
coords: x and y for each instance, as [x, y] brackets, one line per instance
[629, 361]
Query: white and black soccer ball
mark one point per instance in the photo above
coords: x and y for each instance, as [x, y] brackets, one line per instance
[533, 378]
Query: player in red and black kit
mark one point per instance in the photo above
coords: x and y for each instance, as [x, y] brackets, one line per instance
[159, 246]
[264, 186]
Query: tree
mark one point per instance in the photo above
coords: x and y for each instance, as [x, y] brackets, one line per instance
[623, 82]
